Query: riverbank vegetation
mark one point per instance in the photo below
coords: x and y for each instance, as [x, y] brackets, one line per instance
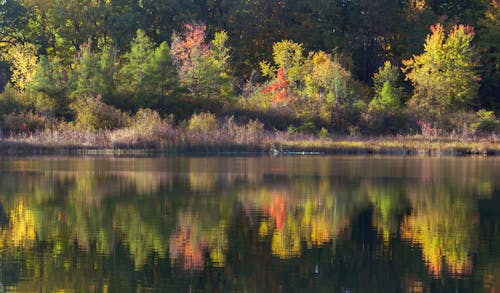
[258, 76]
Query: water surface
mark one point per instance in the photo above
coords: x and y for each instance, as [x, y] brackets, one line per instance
[254, 224]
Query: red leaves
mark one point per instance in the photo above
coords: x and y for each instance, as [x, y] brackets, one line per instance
[278, 88]
[190, 45]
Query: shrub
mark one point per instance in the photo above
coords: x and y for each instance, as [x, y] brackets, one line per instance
[93, 114]
[486, 122]
[323, 133]
[202, 122]
[146, 121]
[24, 122]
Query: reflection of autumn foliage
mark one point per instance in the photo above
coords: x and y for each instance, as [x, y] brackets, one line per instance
[277, 210]
[187, 249]
[278, 88]
[294, 219]
[21, 229]
[193, 238]
[388, 204]
[444, 226]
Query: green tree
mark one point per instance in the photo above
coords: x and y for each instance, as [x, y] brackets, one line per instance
[132, 74]
[13, 20]
[148, 73]
[49, 87]
[203, 68]
[161, 78]
[388, 88]
[444, 76]
[85, 72]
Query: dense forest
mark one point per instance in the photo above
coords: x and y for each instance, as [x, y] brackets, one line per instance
[357, 67]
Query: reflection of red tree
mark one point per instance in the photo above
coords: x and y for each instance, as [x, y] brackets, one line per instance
[185, 248]
[277, 210]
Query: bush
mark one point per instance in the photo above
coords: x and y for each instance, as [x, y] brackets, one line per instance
[93, 114]
[486, 122]
[203, 122]
[12, 101]
[323, 133]
[24, 122]
[146, 121]
[384, 121]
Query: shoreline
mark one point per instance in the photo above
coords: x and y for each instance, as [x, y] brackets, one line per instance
[356, 146]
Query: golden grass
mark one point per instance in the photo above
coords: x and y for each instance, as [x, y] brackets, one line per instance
[231, 137]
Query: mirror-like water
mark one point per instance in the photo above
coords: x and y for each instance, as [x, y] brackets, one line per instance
[255, 224]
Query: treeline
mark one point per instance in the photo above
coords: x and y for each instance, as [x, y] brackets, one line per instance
[356, 67]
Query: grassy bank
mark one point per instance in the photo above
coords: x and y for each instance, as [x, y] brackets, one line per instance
[228, 137]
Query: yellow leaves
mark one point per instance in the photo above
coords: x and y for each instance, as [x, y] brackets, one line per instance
[22, 225]
[23, 60]
[286, 242]
[267, 69]
[444, 230]
[444, 76]
[21, 231]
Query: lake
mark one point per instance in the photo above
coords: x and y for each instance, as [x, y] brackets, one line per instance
[254, 224]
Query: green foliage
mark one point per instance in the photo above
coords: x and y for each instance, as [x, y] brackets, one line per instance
[203, 123]
[444, 76]
[327, 80]
[388, 74]
[486, 122]
[49, 87]
[62, 50]
[488, 40]
[132, 74]
[12, 101]
[93, 72]
[147, 73]
[203, 68]
[93, 114]
[84, 73]
[323, 133]
[146, 121]
[290, 56]
[387, 100]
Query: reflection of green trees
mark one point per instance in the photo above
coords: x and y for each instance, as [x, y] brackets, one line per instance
[388, 205]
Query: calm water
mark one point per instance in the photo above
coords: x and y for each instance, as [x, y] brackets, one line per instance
[254, 224]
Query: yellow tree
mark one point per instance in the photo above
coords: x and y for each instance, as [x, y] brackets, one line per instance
[444, 77]
[23, 64]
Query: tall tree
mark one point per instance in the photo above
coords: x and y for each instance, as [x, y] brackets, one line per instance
[203, 67]
[489, 42]
[444, 76]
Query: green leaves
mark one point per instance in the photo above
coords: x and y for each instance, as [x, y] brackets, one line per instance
[148, 72]
[444, 76]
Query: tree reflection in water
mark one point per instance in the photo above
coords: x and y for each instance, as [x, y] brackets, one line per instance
[134, 224]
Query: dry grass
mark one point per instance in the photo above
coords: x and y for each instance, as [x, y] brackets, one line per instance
[228, 136]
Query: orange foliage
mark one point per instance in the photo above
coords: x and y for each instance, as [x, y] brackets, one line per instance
[185, 248]
[277, 210]
[278, 88]
[189, 46]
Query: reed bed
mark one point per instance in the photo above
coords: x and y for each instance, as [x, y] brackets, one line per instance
[229, 136]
